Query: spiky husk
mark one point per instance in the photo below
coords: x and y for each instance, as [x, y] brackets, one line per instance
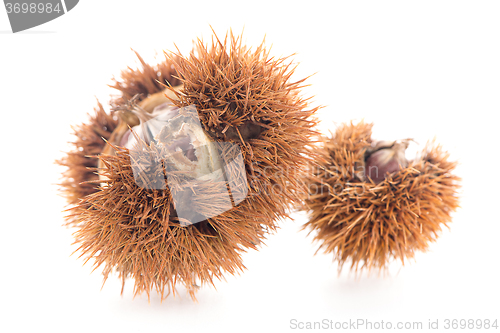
[82, 161]
[369, 224]
[242, 96]
[140, 83]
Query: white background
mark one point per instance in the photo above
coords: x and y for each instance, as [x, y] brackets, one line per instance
[419, 69]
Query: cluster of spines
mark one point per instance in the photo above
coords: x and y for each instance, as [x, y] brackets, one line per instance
[370, 224]
[242, 96]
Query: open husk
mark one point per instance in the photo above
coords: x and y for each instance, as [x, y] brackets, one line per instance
[248, 105]
[368, 223]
